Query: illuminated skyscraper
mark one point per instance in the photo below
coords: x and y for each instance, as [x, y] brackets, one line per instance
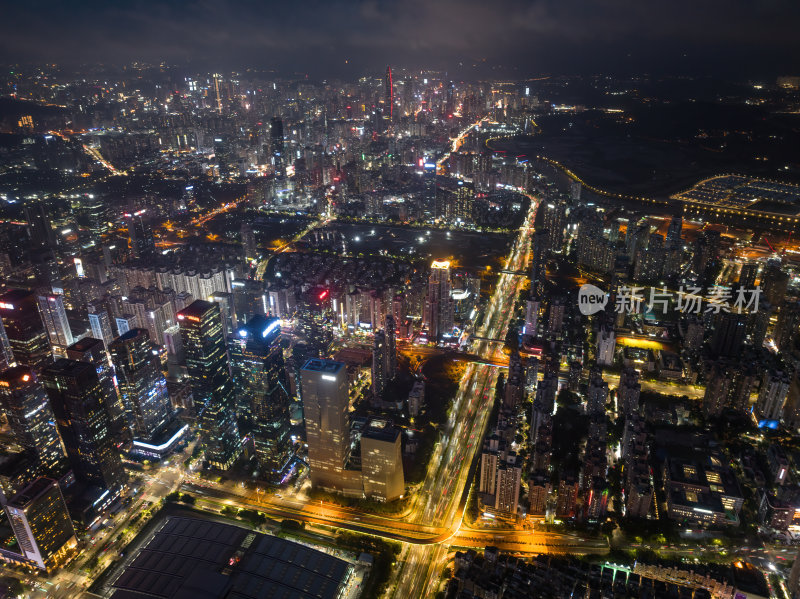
[31, 419]
[140, 231]
[775, 282]
[325, 393]
[541, 249]
[100, 322]
[278, 142]
[91, 214]
[142, 386]
[80, 404]
[674, 232]
[388, 96]
[438, 317]
[39, 228]
[223, 156]
[54, 316]
[212, 387]
[41, 523]
[379, 374]
[382, 461]
[126, 322]
[391, 347]
[249, 250]
[217, 94]
[24, 328]
[259, 374]
[93, 351]
[6, 355]
[554, 221]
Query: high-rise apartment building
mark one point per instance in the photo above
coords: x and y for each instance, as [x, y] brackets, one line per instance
[438, 317]
[787, 329]
[100, 322]
[650, 260]
[597, 394]
[509, 475]
[554, 221]
[774, 283]
[772, 395]
[126, 322]
[541, 250]
[729, 334]
[606, 344]
[628, 392]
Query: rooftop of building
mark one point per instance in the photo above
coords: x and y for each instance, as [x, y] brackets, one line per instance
[11, 299]
[317, 365]
[261, 327]
[703, 471]
[197, 308]
[16, 374]
[380, 429]
[24, 498]
[86, 344]
[65, 366]
[189, 558]
[131, 334]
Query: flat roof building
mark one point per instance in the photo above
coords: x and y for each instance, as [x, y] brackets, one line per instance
[189, 558]
[326, 399]
[382, 460]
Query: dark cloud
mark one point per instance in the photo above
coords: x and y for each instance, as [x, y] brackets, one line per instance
[318, 37]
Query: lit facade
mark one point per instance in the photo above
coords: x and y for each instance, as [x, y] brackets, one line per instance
[41, 523]
[325, 395]
[142, 386]
[80, 404]
[259, 374]
[24, 328]
[212, 387]
[382, 461]
[31, 419]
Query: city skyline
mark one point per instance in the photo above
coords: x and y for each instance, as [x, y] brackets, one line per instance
[397, 300]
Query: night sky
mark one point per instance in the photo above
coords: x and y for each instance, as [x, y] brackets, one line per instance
[465, 37]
